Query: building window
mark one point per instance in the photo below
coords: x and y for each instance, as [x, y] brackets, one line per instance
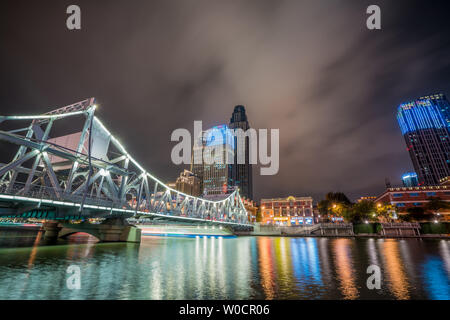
[431, 194]
[398, 195]
[400, 205]
[414, 194]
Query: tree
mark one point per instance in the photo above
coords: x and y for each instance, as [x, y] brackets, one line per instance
[361, 211]
[340, 209]
[407, 217]
[435, 204]
[335, 204]
[337, 197]
[324, 207]
[414, 214]
[417, 214]
[385, 210]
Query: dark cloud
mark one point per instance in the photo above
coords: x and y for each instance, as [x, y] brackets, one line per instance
[309, 68]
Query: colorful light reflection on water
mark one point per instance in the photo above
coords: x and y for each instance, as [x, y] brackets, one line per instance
[241, 268]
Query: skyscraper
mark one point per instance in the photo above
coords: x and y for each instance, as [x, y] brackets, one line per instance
[242, 173]
[217, 177]
[197, 158]
[425, 126]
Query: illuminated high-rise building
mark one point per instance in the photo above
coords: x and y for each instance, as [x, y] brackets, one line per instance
[425, 126]
[410, 180]
[197, 165]
[218, 154]
[242, 173]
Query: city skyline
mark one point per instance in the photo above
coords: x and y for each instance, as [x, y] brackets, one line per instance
[334, 101]
[211, 158]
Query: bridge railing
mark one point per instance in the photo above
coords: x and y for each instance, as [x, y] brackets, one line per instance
[48, 193]
[401, 225]
[39, 193]
[336, 225]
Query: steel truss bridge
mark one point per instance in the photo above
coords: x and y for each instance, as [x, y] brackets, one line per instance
[47, 179]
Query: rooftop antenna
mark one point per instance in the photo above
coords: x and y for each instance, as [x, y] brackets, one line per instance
[388, 183]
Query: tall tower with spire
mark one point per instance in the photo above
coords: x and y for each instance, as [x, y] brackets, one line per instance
[242, 173]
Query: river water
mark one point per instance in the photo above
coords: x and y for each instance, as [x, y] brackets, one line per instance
[239, 268]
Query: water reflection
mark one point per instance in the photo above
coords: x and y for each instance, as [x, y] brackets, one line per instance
[394, 268]
[283, 266]
[266, 267]
[217, 268]
[444, 250]
[344, 268]
[306, 266]
[31, 261]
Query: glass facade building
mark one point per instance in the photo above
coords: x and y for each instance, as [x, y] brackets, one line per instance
[425, 126]
[218, 154]
[410, 179]
[242, 173]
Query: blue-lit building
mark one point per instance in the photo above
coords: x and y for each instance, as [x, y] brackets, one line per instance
[410, 179]
[218, 156]
[425, 126]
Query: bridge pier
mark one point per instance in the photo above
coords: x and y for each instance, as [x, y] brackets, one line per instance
[118, 230]
[51, 230]
[110, 230]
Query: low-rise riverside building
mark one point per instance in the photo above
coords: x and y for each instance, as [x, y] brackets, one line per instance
[252, 209]
[366, 199]
[404, 198]
[290, 211]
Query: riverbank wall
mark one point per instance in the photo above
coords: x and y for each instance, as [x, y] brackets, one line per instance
[8, 231]
[14, 232]
[11, 234]
[365, 230]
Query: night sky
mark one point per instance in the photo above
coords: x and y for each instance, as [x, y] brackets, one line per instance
[310, 68]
